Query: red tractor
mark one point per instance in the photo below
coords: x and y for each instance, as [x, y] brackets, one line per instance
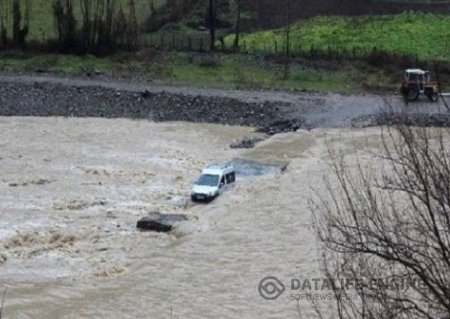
[417, 82]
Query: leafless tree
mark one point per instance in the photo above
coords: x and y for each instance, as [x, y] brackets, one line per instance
[238, 24]
[132, 27]
[212, 24]
[288, 7]
[3, 22]
[66, 25]
[105, 26]
[388, 229]
[20, 24]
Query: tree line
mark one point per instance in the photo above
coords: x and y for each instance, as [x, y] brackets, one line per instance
[100, 27]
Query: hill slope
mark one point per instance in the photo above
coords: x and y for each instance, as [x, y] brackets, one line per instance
[398, 34]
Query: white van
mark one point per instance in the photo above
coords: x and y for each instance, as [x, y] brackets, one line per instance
[213, 182]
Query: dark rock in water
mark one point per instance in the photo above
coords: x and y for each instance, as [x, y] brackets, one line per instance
[283, 126]
[160, 222]
[246, 143]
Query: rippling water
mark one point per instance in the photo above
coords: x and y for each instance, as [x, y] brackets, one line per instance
[72, 189]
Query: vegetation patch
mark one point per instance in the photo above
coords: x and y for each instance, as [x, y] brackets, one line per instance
[411, 33]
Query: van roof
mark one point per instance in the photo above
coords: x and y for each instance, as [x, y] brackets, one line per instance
[218, 169]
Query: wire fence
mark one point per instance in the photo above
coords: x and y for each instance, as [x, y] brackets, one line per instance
[172, 42]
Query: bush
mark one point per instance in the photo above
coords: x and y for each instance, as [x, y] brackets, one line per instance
[207, 61]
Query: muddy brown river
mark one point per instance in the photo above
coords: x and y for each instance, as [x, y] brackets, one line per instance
[71, 191]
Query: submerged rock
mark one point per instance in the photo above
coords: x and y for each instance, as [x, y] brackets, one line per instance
[246, 142]
[160, 222]
[283, 126]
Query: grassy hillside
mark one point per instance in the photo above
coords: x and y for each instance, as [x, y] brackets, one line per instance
[424, 35]
[42, 22]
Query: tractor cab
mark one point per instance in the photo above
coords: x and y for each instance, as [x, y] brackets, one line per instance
[418, 82]
[418, 77]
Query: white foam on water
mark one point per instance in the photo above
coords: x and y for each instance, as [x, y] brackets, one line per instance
[209, 267]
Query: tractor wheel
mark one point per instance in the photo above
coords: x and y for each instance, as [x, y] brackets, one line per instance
[433, 97]
[412, 93]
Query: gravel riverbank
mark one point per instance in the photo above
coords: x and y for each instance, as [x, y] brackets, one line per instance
[271, 112]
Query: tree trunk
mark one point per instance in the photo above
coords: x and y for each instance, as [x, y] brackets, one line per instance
[238, 25]
[212, 24]
[3, 23]
[17, 18]
[288, 38]
[133, 26]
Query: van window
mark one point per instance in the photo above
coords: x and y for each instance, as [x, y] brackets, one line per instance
[208, 180]
[231, 177]
[222, 181]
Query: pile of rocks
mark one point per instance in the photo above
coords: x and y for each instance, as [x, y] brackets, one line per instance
[47, 99]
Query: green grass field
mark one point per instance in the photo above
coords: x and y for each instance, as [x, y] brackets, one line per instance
[42, 22]
[241, 73]
[426, 36]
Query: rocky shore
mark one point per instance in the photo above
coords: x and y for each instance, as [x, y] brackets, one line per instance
[47, 99]
[268, 112]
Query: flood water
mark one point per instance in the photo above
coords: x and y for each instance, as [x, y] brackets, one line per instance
[71, 191]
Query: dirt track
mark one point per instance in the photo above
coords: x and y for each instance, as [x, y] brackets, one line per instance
[78, 97]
